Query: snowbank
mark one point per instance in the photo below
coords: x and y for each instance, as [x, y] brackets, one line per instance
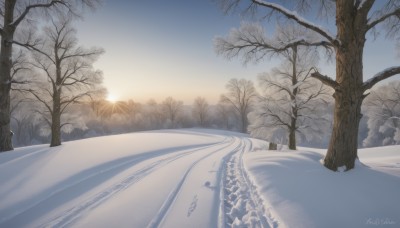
[300, 192]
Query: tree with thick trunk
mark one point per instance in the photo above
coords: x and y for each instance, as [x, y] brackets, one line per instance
[354, 20]
[241, 96]
[67, 72]
[13, 13]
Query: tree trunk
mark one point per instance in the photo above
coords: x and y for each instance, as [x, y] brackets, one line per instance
[293, 105]
[5, 77]
[272, 146]
[342, 150]
[56, 121]
[244, 122]
[292, 139]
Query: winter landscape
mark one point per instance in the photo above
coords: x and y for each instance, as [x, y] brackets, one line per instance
[201, 178]
[214, 113]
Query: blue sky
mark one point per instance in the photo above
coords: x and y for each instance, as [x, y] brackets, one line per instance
[158, 48]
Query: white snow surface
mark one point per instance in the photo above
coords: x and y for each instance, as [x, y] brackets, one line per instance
[300, 192]
[193, 178]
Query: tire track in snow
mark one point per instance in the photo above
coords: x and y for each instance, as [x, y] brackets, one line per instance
[23, 156]
[118, 167]
[168, 203]
[88, 175]
[70, 216]
[241, 205]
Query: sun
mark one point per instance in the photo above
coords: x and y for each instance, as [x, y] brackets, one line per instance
[112, 98]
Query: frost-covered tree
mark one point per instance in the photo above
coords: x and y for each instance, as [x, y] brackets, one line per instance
[26, 124]
[172, 109]
[354, 21]
[241, 96]
[289, 92]
[200, 111]
[67, 74]
[134, 117]
[153, 115]
[382, 107]
[291, 102]
[13, 13]
[223, 115]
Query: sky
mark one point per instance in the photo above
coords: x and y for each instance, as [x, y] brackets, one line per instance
[157, 48]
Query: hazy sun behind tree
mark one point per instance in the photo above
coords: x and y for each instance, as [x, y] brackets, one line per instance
[112, 98]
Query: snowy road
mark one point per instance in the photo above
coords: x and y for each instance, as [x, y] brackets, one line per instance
[199, 181]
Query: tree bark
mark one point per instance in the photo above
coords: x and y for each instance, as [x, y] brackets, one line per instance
[56, 120]
[293, 117]
[5, 87]
[292, 139]
[5, 77]
[244, 122]
[342, 150]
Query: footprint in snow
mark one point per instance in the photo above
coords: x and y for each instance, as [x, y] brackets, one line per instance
[193, 206]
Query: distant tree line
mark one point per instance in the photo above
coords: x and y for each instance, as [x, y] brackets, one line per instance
[98, 117]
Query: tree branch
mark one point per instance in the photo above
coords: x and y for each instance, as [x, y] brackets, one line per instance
[381, 19]
[44, 116]
[294, 16]
[31, 91]
[278, 119]
[387, 73]
[324, 79]
[251, 41]
[30, 7]
[74, 99]
[225, 99]
[32, 47]
[81, 53]
[62, 125]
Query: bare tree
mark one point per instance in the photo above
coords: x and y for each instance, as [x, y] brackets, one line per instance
[354, 20]
[153, 115]
[382, 108]
[12, 14]
[281, 110]
[134, 115]
[290, 95]
[68, 72]
[241, 95]
[172, 109]
[223, 115]
[200, 111]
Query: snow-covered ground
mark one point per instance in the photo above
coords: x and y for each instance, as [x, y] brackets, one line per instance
[193, 178]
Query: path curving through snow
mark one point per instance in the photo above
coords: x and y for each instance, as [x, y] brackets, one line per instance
[176, 178]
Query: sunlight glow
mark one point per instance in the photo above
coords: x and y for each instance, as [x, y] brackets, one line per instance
[111, 98]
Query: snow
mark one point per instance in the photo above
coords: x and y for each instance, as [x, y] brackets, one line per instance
[302, 193]
[361, 4]
[389, 69]
[298, 18]
[193, 177]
